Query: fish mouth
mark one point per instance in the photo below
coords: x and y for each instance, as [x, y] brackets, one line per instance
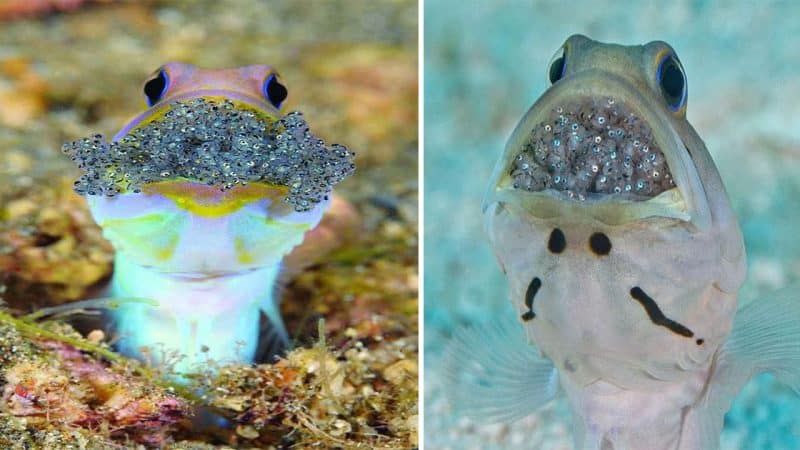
[203, 200]
[218, 143]
[596, 146]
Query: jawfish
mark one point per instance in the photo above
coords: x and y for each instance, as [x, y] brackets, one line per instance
[623, 256]
[202, 196]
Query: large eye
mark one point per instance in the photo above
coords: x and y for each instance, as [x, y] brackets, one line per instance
[155, 87]
[274, 91]
[672, 80]
[557, 65]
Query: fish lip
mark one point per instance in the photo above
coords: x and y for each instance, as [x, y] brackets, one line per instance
[598, 84]
[200, 277]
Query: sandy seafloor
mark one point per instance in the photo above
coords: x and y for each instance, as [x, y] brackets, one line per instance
[485, 65]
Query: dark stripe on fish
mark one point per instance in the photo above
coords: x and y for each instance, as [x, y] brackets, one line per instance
[655, 314]
[533, 288]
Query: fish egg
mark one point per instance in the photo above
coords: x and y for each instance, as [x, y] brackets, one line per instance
[580, 165]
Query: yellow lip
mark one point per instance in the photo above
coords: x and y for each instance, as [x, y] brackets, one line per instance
[210, 201]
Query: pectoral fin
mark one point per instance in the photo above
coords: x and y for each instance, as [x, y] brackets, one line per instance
[765, 338]
[495, 375]
[273, 338]
[273, 341]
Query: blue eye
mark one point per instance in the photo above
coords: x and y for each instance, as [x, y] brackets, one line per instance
[274, 91]
[155, 87]
[672, 81]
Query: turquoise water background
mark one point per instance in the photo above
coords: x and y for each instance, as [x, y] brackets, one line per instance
[485, 64]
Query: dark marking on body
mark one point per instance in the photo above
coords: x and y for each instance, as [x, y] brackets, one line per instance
[655, 314]
[600, 244]
[533, 288]
[569, 366]
[557, 242]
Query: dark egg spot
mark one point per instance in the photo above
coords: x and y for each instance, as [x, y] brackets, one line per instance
[600, 244]
[557, 242]
[700, 341]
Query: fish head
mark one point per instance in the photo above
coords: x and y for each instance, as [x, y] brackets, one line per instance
[611, 222]
[256, 87]
[212, 178]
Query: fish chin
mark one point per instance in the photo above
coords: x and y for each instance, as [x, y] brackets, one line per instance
[233, 233]
[583, 312]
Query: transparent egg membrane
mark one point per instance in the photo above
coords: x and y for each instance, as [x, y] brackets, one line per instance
[218, 144]
[593, 148]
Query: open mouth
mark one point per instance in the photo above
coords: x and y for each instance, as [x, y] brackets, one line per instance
[215, 143]
[591, 148]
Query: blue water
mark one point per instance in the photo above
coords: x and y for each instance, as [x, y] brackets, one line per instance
[485, 64]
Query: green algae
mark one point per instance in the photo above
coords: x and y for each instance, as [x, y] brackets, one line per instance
[348, 396]
[26, 327]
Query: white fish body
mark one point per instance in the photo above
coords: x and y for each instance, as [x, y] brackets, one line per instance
[623, 257]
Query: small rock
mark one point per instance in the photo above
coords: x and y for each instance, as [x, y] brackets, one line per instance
[247, 432]
[399, 371]
[340, 427]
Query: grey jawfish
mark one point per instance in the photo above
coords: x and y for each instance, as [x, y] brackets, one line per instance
[612, 225]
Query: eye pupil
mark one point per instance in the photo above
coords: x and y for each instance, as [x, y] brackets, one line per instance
[672, 82]
[276, 92]
[557, 69]
[154, 89]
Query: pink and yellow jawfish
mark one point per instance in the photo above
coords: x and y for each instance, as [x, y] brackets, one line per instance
[202, 196]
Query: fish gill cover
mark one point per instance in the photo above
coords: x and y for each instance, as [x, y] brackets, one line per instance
[218, 144]
[592, 147]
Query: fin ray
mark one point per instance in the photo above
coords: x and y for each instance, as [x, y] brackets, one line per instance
[495, 375]
[765, 338]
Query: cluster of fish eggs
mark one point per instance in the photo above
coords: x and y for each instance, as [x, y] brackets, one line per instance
[588, 148]
[216, 143]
